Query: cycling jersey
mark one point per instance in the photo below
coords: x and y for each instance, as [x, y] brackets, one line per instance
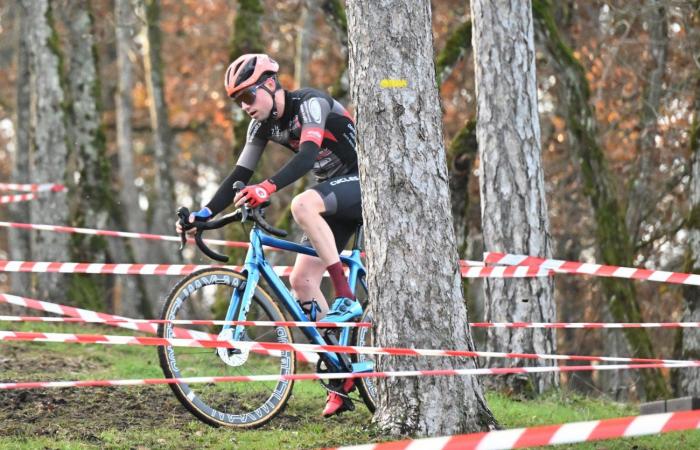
[317, 128]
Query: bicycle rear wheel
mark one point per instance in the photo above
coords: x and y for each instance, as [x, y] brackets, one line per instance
[362, 337]
[230, 404]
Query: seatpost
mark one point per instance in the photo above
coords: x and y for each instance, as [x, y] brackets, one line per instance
[359, 238]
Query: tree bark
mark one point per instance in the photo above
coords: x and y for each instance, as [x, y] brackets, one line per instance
[133, 296]
[687, 381]
[162, 197]
[638, 200]
[93, 197]
[20, 250]
[246, 38]
[304, 47]
[407, 219]
[513, 205]
[612, 236]
[47, 141]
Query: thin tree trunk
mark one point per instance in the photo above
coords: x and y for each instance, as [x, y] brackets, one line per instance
[612, 236]
[93, 198]
[304, 44]
[162, 198]
[133, 296]
[513, 205]
[407, 219]
[638, 201]
[47, 142]
[335, 13]
[616, 383]
[20, 249]
[687, 381]
[247, 38]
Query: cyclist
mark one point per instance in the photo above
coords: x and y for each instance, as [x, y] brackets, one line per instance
[321, 134]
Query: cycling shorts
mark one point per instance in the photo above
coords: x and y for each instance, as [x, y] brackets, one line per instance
[343, 204]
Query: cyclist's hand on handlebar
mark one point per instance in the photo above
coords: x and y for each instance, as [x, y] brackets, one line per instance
[202, 215]
[256, 194]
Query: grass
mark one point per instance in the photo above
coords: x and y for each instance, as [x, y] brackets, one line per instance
[151, 418]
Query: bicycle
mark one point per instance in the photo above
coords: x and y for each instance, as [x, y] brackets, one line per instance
[199, 296]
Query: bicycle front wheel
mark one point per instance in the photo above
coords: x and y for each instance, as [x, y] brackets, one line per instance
[205, 295]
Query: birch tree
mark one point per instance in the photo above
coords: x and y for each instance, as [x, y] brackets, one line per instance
[513, 205]
[414, 279]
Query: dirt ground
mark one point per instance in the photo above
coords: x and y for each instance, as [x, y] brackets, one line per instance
[63, 412]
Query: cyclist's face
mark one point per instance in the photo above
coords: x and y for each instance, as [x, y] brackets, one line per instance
[261, 101]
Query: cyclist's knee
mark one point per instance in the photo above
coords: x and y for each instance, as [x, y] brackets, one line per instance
[306, 204]
[302, 285]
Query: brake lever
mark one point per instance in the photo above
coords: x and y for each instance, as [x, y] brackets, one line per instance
[184, 214]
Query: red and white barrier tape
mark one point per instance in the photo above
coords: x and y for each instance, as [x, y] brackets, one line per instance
[584, 325]
[567, 433]
[84, 315]
[186, 269]
[128, 324]
[247, 323]
[109, 233]
[41, 187]
[314, 348]
[574, 267]
[16, 198]
[337, 376]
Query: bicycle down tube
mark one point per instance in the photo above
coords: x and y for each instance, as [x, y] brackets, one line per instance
[256, 265]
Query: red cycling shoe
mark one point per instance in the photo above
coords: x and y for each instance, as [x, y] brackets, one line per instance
[338, 402]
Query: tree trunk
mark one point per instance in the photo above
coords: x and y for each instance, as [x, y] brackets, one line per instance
[138, 294]
[513, 205]
[247, 38]
[408, 221]
[162, 197]
[612, 236]
[47, 142]
[20, 250]
[305, 32]
[335, 14]
[687, 381]
[93, 198]
[638, 201]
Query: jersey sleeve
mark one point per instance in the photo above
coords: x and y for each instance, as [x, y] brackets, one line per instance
[313, 113]
[243, 171]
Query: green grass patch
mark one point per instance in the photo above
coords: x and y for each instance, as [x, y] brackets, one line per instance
[150, 417]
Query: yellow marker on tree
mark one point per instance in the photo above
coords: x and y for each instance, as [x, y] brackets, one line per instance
[390, 83]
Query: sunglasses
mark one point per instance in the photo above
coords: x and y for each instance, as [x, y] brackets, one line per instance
[247, 95]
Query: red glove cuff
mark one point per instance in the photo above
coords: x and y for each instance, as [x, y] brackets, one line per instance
[269, 186]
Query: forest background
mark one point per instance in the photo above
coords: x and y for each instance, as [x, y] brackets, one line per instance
[642, 76]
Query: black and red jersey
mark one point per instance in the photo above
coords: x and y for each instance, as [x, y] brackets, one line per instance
[309, 116]
[317, 128]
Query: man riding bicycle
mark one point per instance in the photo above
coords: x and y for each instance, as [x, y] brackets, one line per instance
[321, 133]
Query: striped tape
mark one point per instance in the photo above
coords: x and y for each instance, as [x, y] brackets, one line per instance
[314, 348]
[16, 198]
[337, 376]
[124, 322]
[586, 325]
[247, 323]
[109, 233]
[567, 433]
[41, 187]
[263, 323]
[186, 269]
[573, 267]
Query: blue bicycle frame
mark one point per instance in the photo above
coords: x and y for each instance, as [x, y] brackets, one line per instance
[256, 265]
